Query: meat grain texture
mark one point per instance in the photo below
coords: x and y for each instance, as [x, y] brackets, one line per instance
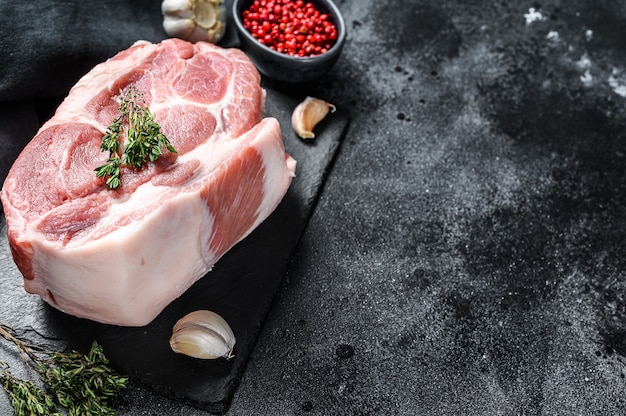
[120, 256]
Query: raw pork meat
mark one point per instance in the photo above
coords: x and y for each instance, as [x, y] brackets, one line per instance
[120, 256]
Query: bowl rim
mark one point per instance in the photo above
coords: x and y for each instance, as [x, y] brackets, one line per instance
[337, 17]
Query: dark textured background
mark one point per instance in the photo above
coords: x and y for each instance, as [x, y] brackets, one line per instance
[466, 254]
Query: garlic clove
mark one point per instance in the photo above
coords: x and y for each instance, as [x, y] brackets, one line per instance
[207, 35]
[178, 8]
[203, 334]
[205, 15]
[308, 114]
[203, 20]
[182, 27]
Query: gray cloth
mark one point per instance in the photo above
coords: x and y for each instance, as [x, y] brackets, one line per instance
[47, 45]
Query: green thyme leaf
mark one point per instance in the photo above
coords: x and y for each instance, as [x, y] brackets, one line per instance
[80, 383]
[26, 398]
[144, 139]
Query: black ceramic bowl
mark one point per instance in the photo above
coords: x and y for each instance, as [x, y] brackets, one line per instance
[282, 67]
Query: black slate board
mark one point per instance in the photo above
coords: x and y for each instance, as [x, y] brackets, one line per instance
[241, 287]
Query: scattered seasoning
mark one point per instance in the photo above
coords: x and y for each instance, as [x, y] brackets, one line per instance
[295, 28]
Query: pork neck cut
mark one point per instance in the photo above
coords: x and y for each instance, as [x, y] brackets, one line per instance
[120, 256]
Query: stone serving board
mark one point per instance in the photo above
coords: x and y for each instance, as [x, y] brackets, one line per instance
[240, 288]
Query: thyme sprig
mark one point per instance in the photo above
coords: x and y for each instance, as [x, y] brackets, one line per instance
[26, 398]
[81, 383]
[144, 139]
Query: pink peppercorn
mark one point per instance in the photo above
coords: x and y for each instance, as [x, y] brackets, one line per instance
[295, 28]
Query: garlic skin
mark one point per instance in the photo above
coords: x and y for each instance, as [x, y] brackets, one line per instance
[203, 334]
[194, 20]
[307, 114]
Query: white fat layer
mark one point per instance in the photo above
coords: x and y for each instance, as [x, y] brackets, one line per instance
[129, 276]
[273, 156]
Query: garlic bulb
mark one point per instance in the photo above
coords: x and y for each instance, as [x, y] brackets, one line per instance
[203, 334]
[194, 20]
[307, 114]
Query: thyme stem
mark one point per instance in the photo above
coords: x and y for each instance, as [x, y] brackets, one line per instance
[144, 139]
[81, 383]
